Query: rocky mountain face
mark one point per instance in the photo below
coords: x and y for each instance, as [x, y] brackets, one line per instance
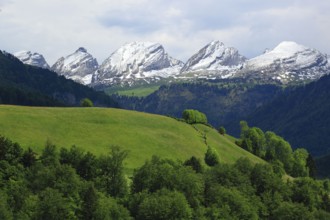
[34, 59]
[78, 66]
[214, 59]
[136, 61]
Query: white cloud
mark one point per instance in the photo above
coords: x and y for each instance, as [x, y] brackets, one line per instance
[57, 28]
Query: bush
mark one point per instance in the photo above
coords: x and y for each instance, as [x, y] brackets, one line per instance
[222, 130]
[211, 157]
[86, 103]
[193, 116]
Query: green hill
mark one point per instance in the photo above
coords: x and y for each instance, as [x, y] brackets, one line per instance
[96, 129]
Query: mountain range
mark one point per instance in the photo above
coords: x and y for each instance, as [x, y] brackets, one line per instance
[147, 62]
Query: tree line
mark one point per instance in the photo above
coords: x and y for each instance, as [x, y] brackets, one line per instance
[74, 184]
[276, 150]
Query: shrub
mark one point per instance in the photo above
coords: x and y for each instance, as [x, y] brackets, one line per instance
[86, 103]
[211, 157]
[193, 116]
[222, 130]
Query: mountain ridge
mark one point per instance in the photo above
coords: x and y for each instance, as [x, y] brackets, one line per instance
[148, 62]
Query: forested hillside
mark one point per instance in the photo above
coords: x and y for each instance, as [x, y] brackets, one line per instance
[27, 85]
[301, 116]
[323, 164]
[225, 102]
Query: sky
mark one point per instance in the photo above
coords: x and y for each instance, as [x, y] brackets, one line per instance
[57, 28]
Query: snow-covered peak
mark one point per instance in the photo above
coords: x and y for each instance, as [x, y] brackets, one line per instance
[214, 56]
[287, 48]
[78, 66]
[34, 59]
[142, 54]
[137, 60]
[287, 62]
[287, 52]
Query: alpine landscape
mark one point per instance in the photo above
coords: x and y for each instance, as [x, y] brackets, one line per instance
[144, 110]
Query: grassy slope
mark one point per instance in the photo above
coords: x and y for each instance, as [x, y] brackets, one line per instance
[96, 129]
[140, 91]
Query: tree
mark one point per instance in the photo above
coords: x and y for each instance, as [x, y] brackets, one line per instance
[310, 163]
[88, 166]
[53, 206]
[211, 157]
[89, 202]
[164, 205]
[253, 139]
[299, 167]
[244, 128]
[264, 179]
[193, 116]
[257, 140]
[29, 158]
[308, 192]
[112, 175]
[278, 149]
[9, 151]
[5, 212]
[86, 103]
[72, 157]
[288, 211]
[222, 130]
[49, 156]
[108, 208]
[159, 173]
[231, 203]
[195, 164]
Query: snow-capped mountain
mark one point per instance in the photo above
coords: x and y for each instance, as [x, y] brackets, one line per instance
[147, 62]
[287, 62]
[136, 61]
[78, 66]
[34, 59]
[215, 59]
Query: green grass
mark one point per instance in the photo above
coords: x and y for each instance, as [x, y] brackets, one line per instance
[96, 129]
[140, 91]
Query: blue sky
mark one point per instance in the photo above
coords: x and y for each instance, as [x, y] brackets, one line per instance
[57, 28]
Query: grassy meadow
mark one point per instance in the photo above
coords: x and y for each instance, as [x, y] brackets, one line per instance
[139, 91]
[97, 129]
